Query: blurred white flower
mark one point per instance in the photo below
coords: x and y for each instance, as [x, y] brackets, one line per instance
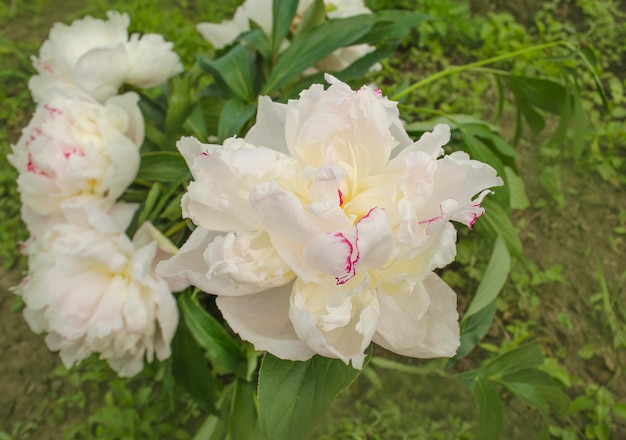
[76, 151]
[222, 34]
[98, 56]
[312, 193]
[93, 290]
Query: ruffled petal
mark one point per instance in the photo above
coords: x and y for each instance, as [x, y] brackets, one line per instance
[282, 213]
[342, 326]
[152, 61]
[419, 319]
[101, 71]
[263, 320]
[268, 131]
[222, 34]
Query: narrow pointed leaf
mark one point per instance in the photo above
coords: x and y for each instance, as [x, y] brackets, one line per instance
[489, 409]
[234, 117]
[232, 72]
[493, 279]
[473, 329]
[191, 370]
[520, 358]
[314, 15]
[163, 166]
[313, 46]
[392, 25]
[221, 348]
[283, 12]
[243, 423]
[498, 221]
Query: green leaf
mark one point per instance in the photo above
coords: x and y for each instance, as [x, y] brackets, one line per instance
[478, 150]
[520, 358]
[361, 66]
[283, 12]
[152, 110]
[388, 364]
[517, 189]
[525, 108]
[537, 389]
[234, 117]
[544, 94]
[149, 203]
[243, 420]
[232, 72]
[313, 46]
[180, 105]
[190, 368]
[493, 279]
[215, 426]
[491, 135]
[163, 166]
[392, 25]
[473, 329]
[498, 221]
[222, 350]
[581, 403]
[258, 40]
[314, 15]
[293, 396]
[619, 409]
[489, 409]
[526, 385]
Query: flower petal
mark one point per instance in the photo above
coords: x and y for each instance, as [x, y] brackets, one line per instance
[269, 131]
[420, 321]
[281, 212]
[151, 61]
[263, 320]
[101, 71]
[335, 321]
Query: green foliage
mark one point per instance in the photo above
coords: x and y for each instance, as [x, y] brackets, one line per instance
[517, 370]
[143, 407]
[293, 396]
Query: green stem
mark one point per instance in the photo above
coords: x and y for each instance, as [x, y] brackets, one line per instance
[457, 69]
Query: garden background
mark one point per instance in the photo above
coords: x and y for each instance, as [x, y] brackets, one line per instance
[569, 294]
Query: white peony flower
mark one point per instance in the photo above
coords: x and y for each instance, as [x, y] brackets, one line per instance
[312, 194]
[222, 34]
[92, 289]
[98, 56]
[76, 151]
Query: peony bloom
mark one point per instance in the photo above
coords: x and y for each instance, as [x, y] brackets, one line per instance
[98, 56]
[92, 289]
[318, 236]
[222, 34]
[76, 151]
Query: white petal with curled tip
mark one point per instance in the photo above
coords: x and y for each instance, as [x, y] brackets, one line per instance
[281, 212]
[263, 320]
[335, 321]
[419, 319]
[187, 266]
[269, 129]
[224, 33]
[101, 71]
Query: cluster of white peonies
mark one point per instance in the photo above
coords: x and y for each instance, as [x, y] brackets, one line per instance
[90, 287]
[320, 230]
[259, 12]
